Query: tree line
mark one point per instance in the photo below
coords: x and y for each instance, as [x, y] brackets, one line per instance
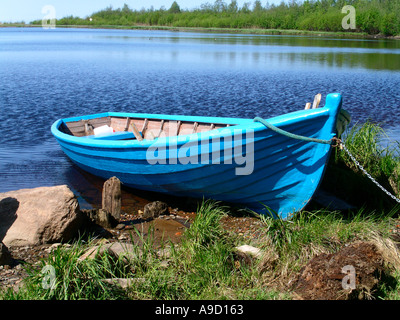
[372, 16]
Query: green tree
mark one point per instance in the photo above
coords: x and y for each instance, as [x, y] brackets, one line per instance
[257, 6]
[175, 8]
[233, 6]
[373, 16]
[206, 7]
[390, 24]
[219, 6]
[246, 7]
[126, 9]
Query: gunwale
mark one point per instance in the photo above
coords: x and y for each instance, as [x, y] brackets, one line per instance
[235, 123]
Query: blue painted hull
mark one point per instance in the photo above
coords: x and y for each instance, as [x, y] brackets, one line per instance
[245, 163]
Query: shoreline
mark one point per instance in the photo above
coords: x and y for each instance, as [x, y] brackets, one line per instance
[250, 31]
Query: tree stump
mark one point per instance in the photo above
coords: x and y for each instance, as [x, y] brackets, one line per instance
[111, 197]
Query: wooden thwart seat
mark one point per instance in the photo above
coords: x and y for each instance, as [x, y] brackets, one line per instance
[120, 135]
[136, 132]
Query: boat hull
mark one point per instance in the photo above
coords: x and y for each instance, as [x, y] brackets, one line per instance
[245, 164]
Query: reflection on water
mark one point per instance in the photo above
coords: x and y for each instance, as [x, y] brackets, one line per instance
[230, 49]
[50, 74]
[320, 51]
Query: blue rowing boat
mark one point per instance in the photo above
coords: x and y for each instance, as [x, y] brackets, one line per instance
[272, 165]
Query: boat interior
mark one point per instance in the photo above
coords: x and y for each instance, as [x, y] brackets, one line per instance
[131, 128]
[126, 128]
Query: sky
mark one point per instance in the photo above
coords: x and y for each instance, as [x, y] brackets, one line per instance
[29, 10]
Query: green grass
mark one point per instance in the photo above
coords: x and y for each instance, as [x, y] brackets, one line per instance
[378, 155]
[74, 279]
[365, 143]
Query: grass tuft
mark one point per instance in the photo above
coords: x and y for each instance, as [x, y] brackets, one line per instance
[365, 142]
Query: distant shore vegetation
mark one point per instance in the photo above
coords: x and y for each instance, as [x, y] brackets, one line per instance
[372, 16]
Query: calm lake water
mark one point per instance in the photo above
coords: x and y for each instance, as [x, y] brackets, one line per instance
[52, 74]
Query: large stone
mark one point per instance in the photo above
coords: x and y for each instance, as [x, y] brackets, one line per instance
[124, 283]
[154, 209]
[250, 250]
[118, 250]
[351, 273]
[38, 216]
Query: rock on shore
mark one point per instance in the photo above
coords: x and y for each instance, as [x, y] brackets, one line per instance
[37, 216]
[329, 276]
[154, 209]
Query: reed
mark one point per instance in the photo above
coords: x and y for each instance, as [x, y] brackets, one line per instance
[365, 142]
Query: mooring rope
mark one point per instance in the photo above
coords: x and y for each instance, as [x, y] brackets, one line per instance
[335, 142]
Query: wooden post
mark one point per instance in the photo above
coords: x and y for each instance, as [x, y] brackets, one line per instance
[111, 197]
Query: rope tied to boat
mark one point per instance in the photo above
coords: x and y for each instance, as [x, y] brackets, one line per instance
[334, 142]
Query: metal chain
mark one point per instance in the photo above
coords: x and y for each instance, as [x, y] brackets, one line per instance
[367, 174]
